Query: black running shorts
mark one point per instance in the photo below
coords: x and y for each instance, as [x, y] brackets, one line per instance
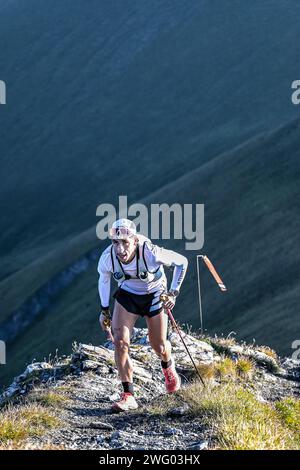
[148, 305]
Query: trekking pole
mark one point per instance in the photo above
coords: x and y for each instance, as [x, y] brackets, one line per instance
[169, 312]
[216, 277]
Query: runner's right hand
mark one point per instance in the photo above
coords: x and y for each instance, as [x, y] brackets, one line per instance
[104, 320]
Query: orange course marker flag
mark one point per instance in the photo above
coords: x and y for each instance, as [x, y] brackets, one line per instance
[214, 273]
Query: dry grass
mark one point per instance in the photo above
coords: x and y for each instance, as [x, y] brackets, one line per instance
[268, 351]
[235, 418]
[21, 422]
[47, 398]
[289, 411]
[227, 369]
[162, 405]
[238, 420]
[11, 445]
[207, 371]
[245, 368]
[224, 346]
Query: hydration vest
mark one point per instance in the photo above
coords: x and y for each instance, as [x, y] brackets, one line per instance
[142, 271]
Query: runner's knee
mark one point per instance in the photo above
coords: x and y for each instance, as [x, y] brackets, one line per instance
[121, 344]
[159, 348]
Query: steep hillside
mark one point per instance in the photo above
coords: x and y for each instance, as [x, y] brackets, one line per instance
[251, 235]
[92, 90]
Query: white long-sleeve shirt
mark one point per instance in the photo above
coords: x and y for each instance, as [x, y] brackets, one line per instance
[155, 257]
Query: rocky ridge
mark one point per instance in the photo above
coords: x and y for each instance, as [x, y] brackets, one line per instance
[90, 382]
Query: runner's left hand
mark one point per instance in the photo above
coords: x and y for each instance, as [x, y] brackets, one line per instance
[169, 300]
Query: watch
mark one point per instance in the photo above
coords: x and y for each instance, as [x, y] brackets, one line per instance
[174, 292]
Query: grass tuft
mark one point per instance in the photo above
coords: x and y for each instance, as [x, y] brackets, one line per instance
[238, 420]
[50, 398]
[225, 369]
[11, 445]
[245, 368]
[289, 411]
[207, 371]
[268, 352]
[19, 423]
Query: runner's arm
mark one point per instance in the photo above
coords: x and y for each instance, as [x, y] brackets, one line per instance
[104, 283]
[173, 259]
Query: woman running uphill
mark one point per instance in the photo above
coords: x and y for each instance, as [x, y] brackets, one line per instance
[138, 267]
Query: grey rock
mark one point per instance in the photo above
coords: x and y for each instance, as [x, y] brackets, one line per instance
[33, 370]
[173, 432]
[115, 435]
[101, 425]
[99, 439]
[90, 365]
[200, 445]
[180, 411]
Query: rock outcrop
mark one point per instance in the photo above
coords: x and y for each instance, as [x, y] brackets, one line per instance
[90, 381]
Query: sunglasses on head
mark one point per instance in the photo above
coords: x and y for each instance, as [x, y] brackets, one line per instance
[120, 232]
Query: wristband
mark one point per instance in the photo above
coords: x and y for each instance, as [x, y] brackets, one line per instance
[106, 313]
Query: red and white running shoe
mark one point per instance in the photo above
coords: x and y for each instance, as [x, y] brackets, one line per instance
[172, 379]
[126, 403]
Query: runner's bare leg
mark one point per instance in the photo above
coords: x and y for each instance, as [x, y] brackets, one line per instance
[157, 330]
[122, 325]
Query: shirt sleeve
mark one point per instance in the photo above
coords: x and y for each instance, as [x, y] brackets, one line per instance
[173, 259]
[104, 282]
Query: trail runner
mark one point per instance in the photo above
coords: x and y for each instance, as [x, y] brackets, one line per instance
[138, 267]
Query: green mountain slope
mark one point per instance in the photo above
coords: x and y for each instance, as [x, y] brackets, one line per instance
[92, 90]
[251, 235]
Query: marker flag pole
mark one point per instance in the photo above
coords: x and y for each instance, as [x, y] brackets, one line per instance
[199, 294]
[216, 278]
